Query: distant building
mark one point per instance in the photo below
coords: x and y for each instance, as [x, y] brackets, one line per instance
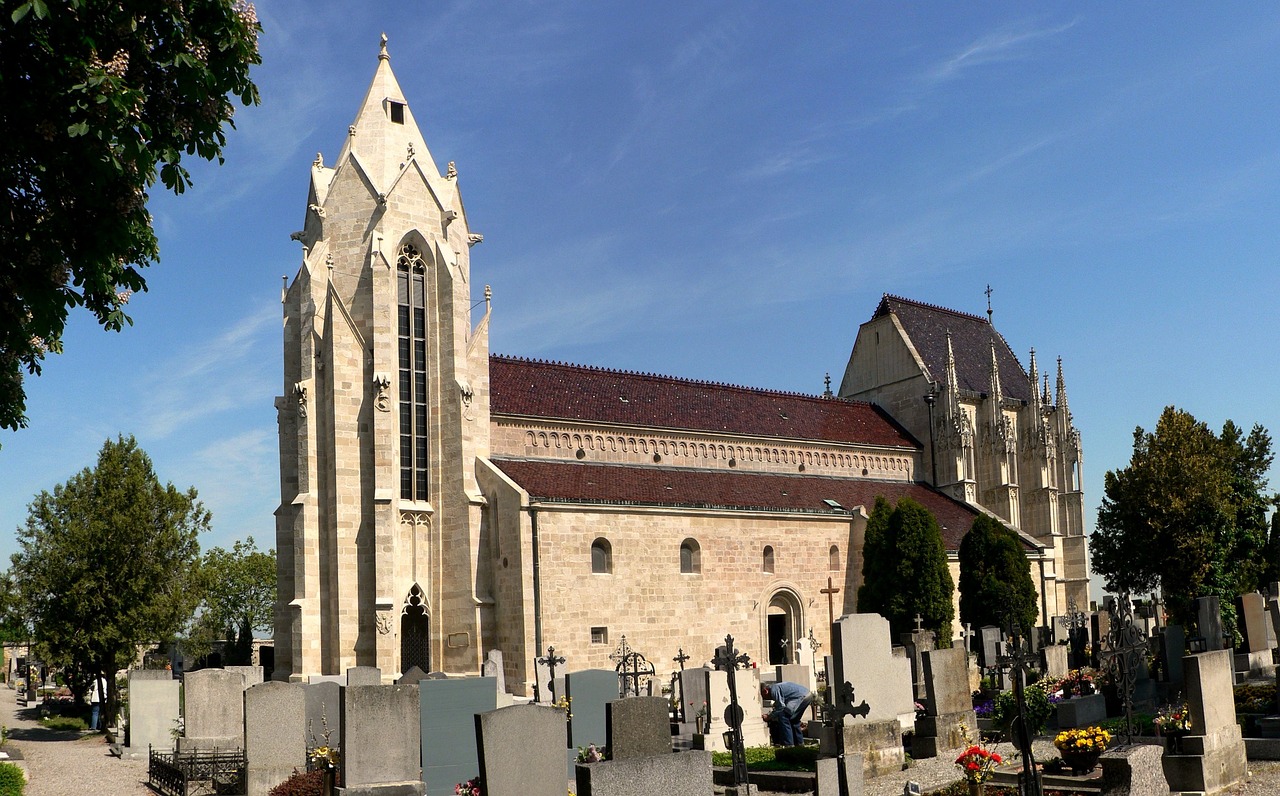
[438, 502]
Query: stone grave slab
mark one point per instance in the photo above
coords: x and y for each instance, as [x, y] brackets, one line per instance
[1253, 622]
[638, 727]
[323, 713]
[411, 677]
[214, 715]
[992, 645]
[1174, 647]
[252, 674]
[864, 656]
[948, 704]
[493, 667]
[521, 751]
[340, 679]
[682, 774]
[153, 710]
[364, 675]
[275, 740]
[1055, 661]
[1213, 755]
[381, 739]
[1134, 771]
[448, 753]
[589, 691]
[1082, 711]
[1209, 620]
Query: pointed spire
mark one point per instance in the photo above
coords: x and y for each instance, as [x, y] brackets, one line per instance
[1034, 380]
[953, 380]
[1062, 389]
[384, 129]
[997, 394]
[1046, 399]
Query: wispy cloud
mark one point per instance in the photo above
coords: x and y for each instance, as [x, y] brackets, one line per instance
[1008, 44]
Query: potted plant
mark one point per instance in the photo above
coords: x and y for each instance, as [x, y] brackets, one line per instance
[1081, 748]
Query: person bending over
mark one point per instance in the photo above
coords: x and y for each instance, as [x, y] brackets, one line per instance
[790, 702]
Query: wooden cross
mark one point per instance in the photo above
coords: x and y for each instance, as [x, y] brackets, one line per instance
[830, 591]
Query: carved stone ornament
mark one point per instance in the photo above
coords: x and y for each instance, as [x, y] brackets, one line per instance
[383, 622]
[317, 209]
[468, 395]
[451, 172]
[382, 399]
[300, 393]
[319, 161]
[474, 238]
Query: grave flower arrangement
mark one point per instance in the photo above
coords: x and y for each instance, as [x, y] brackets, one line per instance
[1173, 720]
[1084, 739]
[471, 787]
[977, 761]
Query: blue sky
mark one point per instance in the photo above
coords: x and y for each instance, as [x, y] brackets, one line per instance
[723, 191]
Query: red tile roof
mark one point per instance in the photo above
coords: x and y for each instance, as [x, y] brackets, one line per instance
[971, 338]
[658, 486]
[562, 391]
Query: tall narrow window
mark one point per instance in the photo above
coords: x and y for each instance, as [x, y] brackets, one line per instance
[833, 558]
[601, 557]
[767, 563]
[412, 322]
[690, 557]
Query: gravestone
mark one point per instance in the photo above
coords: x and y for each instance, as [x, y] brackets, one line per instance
[707, 690]
[693, 690]
[589, 691]
[992, 645]
[865, 659]
[1253, 656]
[637, 727]
[521, 750]
[1055, 661]
[364, 675]
[1061, 633]
[275, 741]
[947, 704]
[493, 667]
[805, 656]
[1133, 771]
[827, 781]
[449, 754]
[214, 710]
[1209, 621]
[411, 677]
[252, 674]
[1213, 755]
[1173, 648]
[153, 710]
[323, 713]
[914, 643]
[681, 774]
[381, 740]
[340, 679]
[1099, 627]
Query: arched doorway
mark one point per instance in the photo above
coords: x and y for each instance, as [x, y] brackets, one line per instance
[415, 641]
[783, 618]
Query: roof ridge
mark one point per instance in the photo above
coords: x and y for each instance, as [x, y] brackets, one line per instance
[940, 308]
[680, 379]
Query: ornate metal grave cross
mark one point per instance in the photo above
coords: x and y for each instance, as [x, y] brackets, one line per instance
[551, 661]
[1076, 622]
[630, 666]
[831, 591]
[1125, 646]
[841, 706]
[1019, 660]
[729, 660]
[679, 660]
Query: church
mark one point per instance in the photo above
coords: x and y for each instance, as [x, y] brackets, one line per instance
[439, 501]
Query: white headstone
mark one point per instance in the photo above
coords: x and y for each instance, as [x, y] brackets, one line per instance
[864, 657]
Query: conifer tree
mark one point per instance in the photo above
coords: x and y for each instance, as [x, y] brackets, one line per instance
[905, 572]
[995, 577]
[876, 556]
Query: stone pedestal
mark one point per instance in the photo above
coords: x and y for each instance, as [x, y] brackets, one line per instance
[880, 743]
[1082, 711]
[935, 735]
[1134, 771]
[1213, 757]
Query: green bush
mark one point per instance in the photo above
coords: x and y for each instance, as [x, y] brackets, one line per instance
[1038, 708]
[1255, 698]
[301, 783]
[12, 782]
[769, 758]
[804, 758]
[1143, 724]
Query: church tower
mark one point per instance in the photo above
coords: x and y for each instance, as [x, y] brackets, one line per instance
[384, 411]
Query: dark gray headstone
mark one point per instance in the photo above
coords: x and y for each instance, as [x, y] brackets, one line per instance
[589, 691]
[411, 677]
[448, 753]
[381, 735]
[364, 675]
[275, 740]
[946, 681]
[638, 727]
[1209, 620]
[1252, 610]
[522, 750]
[992, 642]
[324, 713]
[1174, 648]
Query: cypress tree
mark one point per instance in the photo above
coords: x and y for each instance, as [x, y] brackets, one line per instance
[995, 577]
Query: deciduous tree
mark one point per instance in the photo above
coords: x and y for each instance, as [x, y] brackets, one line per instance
[98, 99]
[239, 587]
[107, 562]
[1187, 515]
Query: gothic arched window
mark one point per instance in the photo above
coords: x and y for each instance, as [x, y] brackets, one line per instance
[690, 557]
[601, 557]
[411, 293]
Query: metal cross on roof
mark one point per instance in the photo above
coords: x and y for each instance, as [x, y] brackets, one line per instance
[1125, 647]
[728, 659]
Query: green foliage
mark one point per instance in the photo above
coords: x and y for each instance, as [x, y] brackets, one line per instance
[801, 758]
[1188, 515]
[759, 758]
[99, 98]
[1255, 698]
[905, 569]
[301, 783]
[107, 562]
[239, 588]
[12, 782]
[1038, 708]
[67, 723]
[1143, 724]
[995, 577]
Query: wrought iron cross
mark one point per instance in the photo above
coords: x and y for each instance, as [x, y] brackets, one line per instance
[1125, 646]
[729, 659]
[679, 660]
[1019, 659]
[841, 706]
[630, 666]
[551, 661]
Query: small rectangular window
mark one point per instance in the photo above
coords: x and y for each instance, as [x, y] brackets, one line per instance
[599, 635]
[397, 111]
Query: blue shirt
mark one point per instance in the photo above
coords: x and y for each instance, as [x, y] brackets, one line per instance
[787, 697]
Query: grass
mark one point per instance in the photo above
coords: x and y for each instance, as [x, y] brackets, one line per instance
[768, 758]
[65, 723]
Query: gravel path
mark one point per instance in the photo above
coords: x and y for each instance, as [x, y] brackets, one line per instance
[67, 763]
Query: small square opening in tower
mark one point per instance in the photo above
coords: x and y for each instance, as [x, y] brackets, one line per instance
[599, 635]
[396, 110]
